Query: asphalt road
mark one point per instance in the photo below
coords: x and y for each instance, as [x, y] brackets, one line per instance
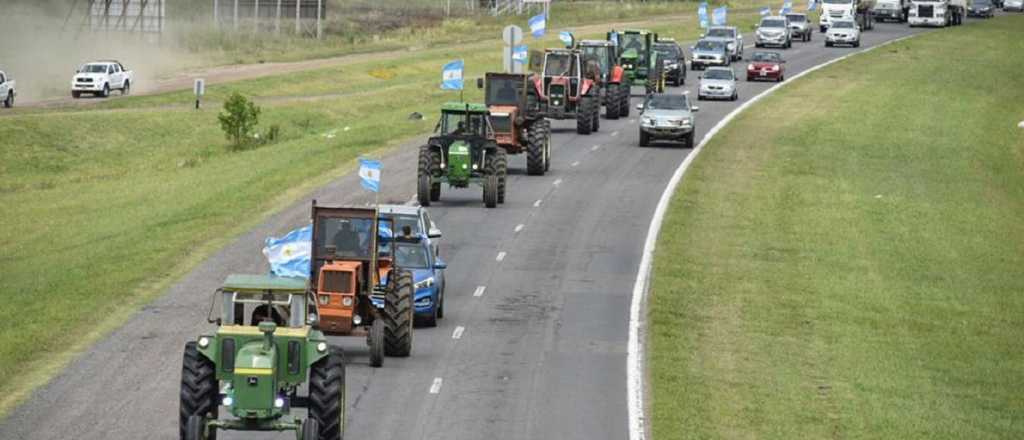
[539, 286]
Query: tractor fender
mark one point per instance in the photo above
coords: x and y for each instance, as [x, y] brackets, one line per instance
[586, 86]
[617, 74]
[538, 85]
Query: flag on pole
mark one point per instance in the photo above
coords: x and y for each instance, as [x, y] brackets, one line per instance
[566, 38]
[702, 14]
[538, 24]
[451, 75]
[787, 7]
[812, 5]
[520, 54]
[766, 11]
[718, 17]
[369, 173]
[289, 255]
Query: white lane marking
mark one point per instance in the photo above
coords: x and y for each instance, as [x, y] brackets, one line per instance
[615, 133]
[501, 256]
[520, 227]
[634, 347]
[595, 147]
[479, 291]
[578, 162]
[457, 334]
[557, 182]
[412, 200]
[537, 203]
[436, 386]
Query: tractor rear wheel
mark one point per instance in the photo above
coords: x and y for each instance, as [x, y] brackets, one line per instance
[310, 430]
[326, 398]
[501, 167]
[490, 184]
[194, 428]
[583, 122]
[624, 92]
[535, 154]
[398, 315]
[611, 102]
[199, 391]
[375, 340]
[547, 144]
[595, 112]
[425, 175]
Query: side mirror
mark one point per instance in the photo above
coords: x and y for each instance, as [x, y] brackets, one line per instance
[694, 109]
[479, 83]
[440, 264]
[312, 321]
[434, 233]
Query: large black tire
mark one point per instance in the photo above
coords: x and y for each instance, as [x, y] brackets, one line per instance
[584, 124]
[595, 114]
[199, 389]
[106, 91]
[194, 428]
[689, 141]
[491, 183]
[397, 314]
[645, 139]
[547, 145]
[311, 429]
[9, 102]
[611, 102]
[501, 167]
[327, 396]
[126, 88]
[425, 176]
[76, 95]
[535, 144]
[375, 340]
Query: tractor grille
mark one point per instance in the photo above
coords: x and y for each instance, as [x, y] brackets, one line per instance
[925, 11]
[556, 90]
[501, 124]
[337, 282]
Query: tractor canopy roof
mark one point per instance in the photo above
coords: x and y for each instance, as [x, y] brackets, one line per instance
[604, 43]
[636, 31]
[463, 107]
[263, 284]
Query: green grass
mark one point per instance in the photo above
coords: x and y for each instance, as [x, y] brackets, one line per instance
[844, 260]
[105, 205]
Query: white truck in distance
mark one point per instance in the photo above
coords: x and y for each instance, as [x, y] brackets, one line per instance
[939, 13]
[856, 10]
[7, 91]
[100, 77]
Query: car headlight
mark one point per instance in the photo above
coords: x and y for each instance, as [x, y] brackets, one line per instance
[687, 122]
[649, 121]
[425, 283]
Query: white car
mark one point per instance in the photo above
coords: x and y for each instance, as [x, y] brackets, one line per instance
[717, 83]
[417, 219]
[843, 32]
[1013, 5]
[100, 77]
[7, 92]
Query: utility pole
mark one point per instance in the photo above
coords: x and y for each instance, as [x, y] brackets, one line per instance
[298, 22]
[319, 30]
[256, 17]
[236, 15]
[277, 21]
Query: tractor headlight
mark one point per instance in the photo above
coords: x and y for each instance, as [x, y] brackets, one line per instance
[321, 347]
[356, 319]
[346, 301]
[228, 401]
[474, 166]
[324, 300]
[278, 403]
[204, 342]
[425, 283]
[464, 166]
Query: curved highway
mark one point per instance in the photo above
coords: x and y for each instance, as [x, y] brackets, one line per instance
[533, 343]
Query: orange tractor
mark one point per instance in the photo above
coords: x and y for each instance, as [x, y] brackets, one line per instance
[515, 116]
[348, 275]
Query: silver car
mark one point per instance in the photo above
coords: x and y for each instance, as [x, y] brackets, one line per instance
[800, 26]
[843, 32]
[667, 116]
[417, 219]
[774, 31]
[729, 35]
[708, 53]
[718, 83]
[1013, 5]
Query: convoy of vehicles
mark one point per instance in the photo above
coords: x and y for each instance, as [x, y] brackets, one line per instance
[857, 10]
[800, 26]
[774, 31]
[673, 61]
[766, 66]
[100, 78]
[718, 83]
[7, 90]
[667, 116]
[843, 32]
[731, 36]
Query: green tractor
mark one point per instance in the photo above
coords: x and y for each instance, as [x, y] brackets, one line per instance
[639, 59]
[254, 369]
[462, 152]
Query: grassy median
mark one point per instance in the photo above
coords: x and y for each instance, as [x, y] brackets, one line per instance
[845, 259]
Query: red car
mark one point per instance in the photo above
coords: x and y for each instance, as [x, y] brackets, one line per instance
[766, 65]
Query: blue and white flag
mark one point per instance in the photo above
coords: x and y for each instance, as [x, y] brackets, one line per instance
[718, 17]
[766, 11]
[451, 75]
[702, 14]
[289, 255]
[787, 7]
[812, 5]
[369, 173]
[566, 38]
[538, 24]
[520, 54]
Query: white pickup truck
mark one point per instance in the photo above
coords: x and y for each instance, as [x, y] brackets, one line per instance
[100, 77]
[7, 91]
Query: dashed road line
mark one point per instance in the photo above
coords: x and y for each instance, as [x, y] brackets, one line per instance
[595, 147]
[615, 133]
[501, 256]
[575, 163]
[537, 203]
[479, 291]
[557, 182]
[457, 334]
[436, 386]
[520, 227]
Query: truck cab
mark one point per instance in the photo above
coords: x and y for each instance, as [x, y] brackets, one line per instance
[7, 92]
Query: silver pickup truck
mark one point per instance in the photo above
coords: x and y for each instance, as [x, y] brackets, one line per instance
[7, 91]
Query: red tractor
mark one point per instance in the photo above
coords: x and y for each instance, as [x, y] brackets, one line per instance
[569, 89]
[516, 118]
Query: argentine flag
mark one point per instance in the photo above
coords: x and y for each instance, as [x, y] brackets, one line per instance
[566, 38]
[718, 17]
[787, 7]
[369, 172]
[766, 11]
[702, 14]
[519, 54]
[538, 24]
[451, 75]
[289, 255]
[812, 5]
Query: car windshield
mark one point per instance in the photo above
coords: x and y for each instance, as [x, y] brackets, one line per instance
[773, 24]
[667, 51]
[843, 25]
[766, 57]
[709, 45]
[722, 33]
[718, 74]
[411, 221]
[502, 91]
[94, 68]
[411, 255]
[798, 18]
[667, 102]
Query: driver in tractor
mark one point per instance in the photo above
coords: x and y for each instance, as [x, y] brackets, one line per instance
[561, 66]
[507, 93]
[347, 241]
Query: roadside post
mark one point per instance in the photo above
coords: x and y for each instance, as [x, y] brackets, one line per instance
[512, 35]
[200, 90]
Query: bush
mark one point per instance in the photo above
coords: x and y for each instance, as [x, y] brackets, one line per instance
[238, 120]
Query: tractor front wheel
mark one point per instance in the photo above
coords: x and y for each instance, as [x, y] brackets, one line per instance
[501, 168]
[425, 175]
[375, 339]
[535, 144]
[398, 313]
[611, 102]
[199, 390]
[326, 398]
[194, 428]
[491, 190]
